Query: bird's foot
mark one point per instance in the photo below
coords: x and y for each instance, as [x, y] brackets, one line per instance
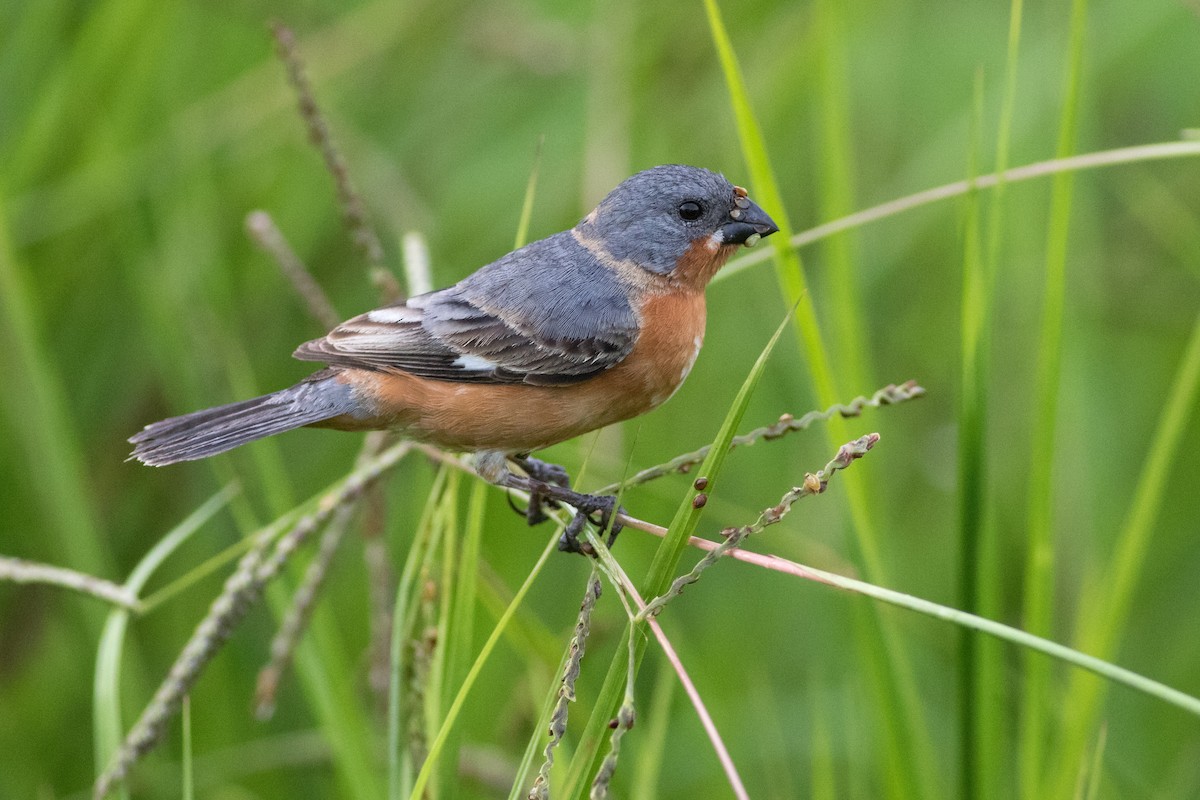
[540, 472]
[599, 509]
[548, 486]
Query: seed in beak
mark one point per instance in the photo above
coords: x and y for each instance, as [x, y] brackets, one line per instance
[752, 240]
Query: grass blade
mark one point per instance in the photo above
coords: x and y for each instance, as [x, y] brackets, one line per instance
[187, 778]
[403, 624]
[42, 422]
[439, 742]
[906, 735]
[1104, 610]
[662, 567]
[981, 675]
[108, 731]
[1039, 561]
[530, 192]
[972, 461]
[1029, 641]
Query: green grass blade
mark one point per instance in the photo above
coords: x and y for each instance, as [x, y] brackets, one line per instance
[107, 730]
[460, 626]
[981, 679]
[1093, 774]
[836, 183]
[1040, 556]
[972, 456]
[906, 735]
[530, 192]
[42, 423]
[662, 568]
[444, 558]
[403, 625]
[982, 771]
[439, 742]
[1028, 641]
[186, 774]
[788, 269]
[1104, 610]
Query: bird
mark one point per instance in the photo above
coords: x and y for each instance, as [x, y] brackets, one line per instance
[583, 329]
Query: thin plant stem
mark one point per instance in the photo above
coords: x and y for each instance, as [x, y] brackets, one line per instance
[451, 716]
[645, 614]
[18, 570]
[266, 234]
[1041, 169]
[1105, 669]
[1040, 573]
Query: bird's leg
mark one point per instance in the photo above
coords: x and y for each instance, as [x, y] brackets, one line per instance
[550, 484]
[543, 471]
[540, 473]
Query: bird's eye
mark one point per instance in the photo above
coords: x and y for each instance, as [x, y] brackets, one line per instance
[690, 210]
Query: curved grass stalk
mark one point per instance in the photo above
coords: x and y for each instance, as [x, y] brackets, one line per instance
[1158, 151]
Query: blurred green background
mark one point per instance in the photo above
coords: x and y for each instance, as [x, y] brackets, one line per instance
[136, 136]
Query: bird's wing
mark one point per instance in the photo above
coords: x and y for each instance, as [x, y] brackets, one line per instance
[547, 314]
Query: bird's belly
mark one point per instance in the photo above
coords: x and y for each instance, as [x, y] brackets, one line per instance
[521, 418]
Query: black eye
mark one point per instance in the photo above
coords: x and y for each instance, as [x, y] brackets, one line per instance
[690, 210]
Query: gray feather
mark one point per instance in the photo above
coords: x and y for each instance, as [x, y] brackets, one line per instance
[638, 222]
[215, 430]
[546, 314]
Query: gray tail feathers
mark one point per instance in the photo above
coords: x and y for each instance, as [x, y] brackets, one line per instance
[215, 430]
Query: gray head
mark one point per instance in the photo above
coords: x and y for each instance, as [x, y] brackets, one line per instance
[654, 217]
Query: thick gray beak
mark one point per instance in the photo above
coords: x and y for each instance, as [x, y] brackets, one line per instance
[749, 224]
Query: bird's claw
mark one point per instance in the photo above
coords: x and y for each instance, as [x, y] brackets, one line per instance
[535, 512]
[549, 486]
[600, 510]
[542, 476]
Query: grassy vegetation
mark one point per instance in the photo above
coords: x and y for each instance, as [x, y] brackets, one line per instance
[1046, 481]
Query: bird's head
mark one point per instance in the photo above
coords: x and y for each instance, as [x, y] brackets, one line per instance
[676, 220]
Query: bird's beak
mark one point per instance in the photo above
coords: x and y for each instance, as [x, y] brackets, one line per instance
[747, 225]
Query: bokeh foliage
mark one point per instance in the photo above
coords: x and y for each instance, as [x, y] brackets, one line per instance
[136, 136]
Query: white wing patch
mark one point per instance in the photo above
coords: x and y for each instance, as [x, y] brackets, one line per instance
[394, 314]
[474, 363]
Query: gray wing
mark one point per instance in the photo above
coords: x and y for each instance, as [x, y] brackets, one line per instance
[546, 314]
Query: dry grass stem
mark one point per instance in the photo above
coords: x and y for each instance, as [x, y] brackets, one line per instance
[418, 270]
[353, 211]
[18, 570]
[566, 692]
[1040, 169]
[283, 646]
[266, 234]
[242, 591]
[814, 483]
[381, 582]
[888, 395]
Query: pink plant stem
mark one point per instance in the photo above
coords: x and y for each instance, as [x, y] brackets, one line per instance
[735, 780]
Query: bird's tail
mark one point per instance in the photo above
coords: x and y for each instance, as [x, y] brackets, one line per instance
[215, 430]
